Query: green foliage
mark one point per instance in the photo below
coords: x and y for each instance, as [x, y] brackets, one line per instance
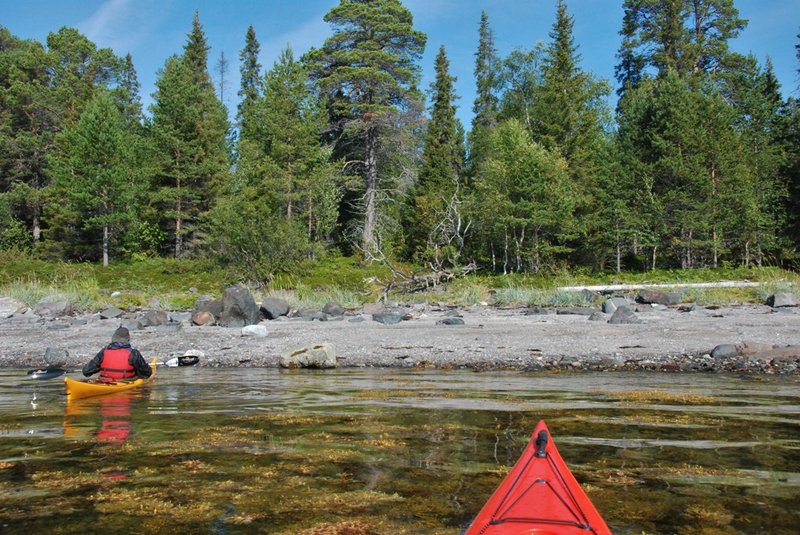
[368, 72]
[91, 190]
[524, 202]
[435, 222]
[251, 84]
[253, 241]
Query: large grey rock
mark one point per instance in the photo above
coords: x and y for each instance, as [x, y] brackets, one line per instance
[783, 299]
[111, 313]
[333, 309]
[624, 315]
[53, 308]
[154, 318]
[274, 307]
[180, 317]
[610, 305]
[320, 356]
[373, 308]
[388, 318]
[206, 303]
[657, 297]
[238, 307]
[8, 306]
[723, 351]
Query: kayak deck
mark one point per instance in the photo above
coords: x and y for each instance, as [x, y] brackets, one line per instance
[90, 388]
[539, 496]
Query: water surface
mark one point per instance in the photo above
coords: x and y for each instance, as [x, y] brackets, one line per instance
[229, 451]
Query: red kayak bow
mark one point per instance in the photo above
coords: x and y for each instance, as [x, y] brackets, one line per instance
[539, 496]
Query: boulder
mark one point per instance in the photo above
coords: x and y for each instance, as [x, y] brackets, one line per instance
[180, 317]
[388, 318]
[9, 306]
[238, 307]
[598, 316]
[169, 327]
[311, 315]
[203, 318]
[373, 308]
[111, 313]
[723, 351]
[132, 325]
[610, 305]
[154, 318]
[783, 299]
[56, 355]
[257, 331]
[320, 356]
[624, 315]
[657, 297]
[206, 303]
[274, 307]
[333, 308]
[53, 308]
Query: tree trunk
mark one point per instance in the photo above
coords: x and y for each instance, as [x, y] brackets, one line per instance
[371, 183]
[105, 245]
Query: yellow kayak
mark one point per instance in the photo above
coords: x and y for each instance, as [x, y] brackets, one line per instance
[93, 387]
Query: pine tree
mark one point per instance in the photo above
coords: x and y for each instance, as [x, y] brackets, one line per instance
[250, 90]
[437, 221]
[687, 36]
[368, 70]
[195, 53]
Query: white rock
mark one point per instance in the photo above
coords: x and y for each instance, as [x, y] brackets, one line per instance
[259, 331]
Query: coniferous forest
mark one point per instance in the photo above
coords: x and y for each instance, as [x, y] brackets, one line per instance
[339, 151]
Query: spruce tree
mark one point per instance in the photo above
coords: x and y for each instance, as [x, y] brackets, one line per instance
[368, 69]
[250, 89]
[437, 221]
[485, 108]
[189, 126]
[92, 182]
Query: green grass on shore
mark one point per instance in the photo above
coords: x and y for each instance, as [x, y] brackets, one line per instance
[176, 284]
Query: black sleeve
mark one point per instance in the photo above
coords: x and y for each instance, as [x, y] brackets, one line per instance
[141, 366]
[93, 366]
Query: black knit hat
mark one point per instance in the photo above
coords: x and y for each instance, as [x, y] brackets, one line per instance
[121, 335]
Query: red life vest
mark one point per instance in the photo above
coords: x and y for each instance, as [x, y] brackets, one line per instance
[115, 365]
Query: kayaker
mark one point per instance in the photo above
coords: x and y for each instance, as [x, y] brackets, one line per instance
[118, 361]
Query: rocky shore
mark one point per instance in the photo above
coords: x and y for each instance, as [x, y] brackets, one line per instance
[620, 335]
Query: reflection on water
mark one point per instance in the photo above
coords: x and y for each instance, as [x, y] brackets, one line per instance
[385, 451]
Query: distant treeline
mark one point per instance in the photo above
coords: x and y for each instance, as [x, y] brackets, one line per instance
[336, 152]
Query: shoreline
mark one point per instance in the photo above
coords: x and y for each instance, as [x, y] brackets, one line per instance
[753, 338]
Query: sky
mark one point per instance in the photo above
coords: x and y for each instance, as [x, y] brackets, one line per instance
[153, 30]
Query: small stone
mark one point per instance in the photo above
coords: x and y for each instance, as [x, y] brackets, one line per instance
[203, 318]
[320, 356]
[111, 313]
[450, 321]
[258, 331]
[333, 308]
[784, 299]
[388, 318]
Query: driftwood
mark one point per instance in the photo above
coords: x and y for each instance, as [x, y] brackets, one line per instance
[420, 282]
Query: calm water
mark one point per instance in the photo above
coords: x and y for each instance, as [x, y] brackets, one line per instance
[228, 451]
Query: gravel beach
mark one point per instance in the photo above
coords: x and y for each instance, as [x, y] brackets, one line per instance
[757, 339]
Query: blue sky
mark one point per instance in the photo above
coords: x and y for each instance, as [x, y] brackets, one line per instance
[153, 30]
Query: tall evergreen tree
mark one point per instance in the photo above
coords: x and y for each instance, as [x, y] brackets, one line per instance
[190, 126]
[127, 93]
[485, 108]
[568, 116]
[250, 89]
[368, 69]
[687, 36]
[437, 223]
[92, 181]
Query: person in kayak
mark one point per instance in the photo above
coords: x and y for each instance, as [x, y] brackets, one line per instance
[118, 361]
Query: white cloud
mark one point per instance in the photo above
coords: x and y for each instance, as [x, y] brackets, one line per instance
[123, 24]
